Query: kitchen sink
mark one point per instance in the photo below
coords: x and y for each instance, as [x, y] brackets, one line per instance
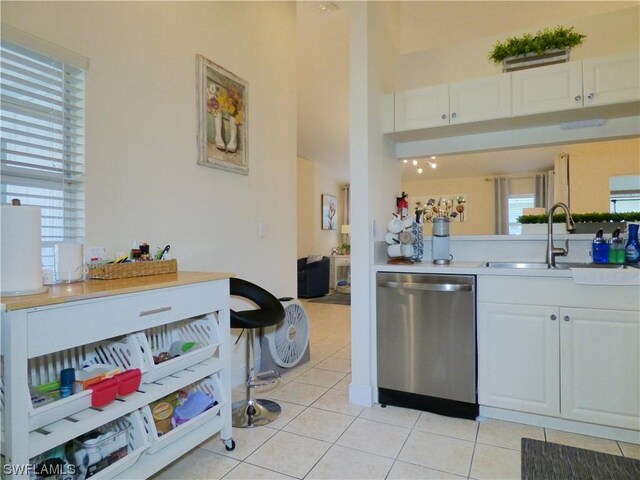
[543, 265]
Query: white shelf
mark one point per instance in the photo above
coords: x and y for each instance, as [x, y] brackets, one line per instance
[73, 426]
[28, 358]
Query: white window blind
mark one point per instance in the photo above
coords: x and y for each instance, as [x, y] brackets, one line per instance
[42, 141]
[516, 204]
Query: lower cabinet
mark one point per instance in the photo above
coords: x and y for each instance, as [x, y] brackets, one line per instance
[574, 363]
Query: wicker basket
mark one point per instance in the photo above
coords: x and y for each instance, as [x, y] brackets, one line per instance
[111, 271]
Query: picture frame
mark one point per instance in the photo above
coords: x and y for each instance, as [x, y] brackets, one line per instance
[329, 212]
[222, 104]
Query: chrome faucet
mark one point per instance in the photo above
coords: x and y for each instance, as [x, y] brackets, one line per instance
[553, 252]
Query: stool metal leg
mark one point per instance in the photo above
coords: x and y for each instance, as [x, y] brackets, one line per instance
[253, 412]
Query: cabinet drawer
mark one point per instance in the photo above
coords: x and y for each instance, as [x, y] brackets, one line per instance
[51, 329]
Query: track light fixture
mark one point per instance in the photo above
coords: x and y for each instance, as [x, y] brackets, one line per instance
[416, 163]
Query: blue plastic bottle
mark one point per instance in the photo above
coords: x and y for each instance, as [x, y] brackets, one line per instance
[632, 250]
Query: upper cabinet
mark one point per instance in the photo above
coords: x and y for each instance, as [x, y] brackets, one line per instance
[471, 101]
[422, 108]
[547, 89]
[611, 79]
[554, 88]
[482, 99]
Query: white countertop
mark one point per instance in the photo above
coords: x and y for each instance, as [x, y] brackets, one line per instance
[471, 268]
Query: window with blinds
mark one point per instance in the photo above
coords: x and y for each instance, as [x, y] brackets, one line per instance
[42, 141]
[517, 203]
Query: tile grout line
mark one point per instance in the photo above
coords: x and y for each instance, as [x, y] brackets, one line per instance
[473, 452]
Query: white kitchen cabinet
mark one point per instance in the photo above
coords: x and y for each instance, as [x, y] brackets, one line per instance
[547, 89]
[573, 363]
[422, 108]
[600, 367]
[518, 364]
[612, 79]
[462, 102]
[121, 322]
[480, 99]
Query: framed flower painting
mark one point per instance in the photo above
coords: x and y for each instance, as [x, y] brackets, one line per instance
[222, 118]
[329, 212]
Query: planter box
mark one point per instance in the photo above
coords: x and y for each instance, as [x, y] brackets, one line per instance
[593, 227]
[532, 60]
[541, 228]
[581, 227]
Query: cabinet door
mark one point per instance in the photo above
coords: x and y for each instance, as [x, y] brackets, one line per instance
[481, 99]
[422, 108]
[547, 89]
[611, 79]
[518, 359]
[600, 366]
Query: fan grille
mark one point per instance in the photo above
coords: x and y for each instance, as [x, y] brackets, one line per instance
[290, 339]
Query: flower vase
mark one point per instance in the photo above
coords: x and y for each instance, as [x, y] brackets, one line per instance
[232, 146]
[217, 121]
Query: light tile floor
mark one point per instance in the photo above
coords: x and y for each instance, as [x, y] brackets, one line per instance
[320, 435]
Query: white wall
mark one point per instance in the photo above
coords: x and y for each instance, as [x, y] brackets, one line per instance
[142, 181]
[607, 33]
[314, 180]
[591, 167]
[480, 211]
[375, 178]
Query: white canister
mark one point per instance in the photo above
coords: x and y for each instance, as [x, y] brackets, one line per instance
[69, 262]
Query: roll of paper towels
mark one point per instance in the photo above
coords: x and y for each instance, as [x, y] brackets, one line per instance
[21, 254]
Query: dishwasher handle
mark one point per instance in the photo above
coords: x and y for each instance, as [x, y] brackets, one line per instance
[429, 287]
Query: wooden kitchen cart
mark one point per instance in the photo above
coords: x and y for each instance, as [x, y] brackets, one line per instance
[119, 322]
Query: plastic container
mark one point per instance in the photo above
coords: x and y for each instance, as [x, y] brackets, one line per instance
[129, 381]
[97, 450]
[632, 249]
[600, 251]
[616, 251]
[104, 392]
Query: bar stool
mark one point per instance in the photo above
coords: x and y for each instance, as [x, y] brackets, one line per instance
[254, 412]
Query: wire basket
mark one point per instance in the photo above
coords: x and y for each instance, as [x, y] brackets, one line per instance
[112, 271]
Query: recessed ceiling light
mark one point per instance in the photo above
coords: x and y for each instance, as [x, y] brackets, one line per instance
[405, 160]
[419, 170]
[415, 162]
[328, 7]
[433, 165]
[433, 157]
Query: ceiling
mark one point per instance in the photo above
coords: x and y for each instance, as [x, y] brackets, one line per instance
[323, 61]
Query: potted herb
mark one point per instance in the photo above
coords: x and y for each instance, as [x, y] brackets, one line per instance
[586, 222]
[545, 47]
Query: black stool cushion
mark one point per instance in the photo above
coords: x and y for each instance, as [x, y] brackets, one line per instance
[269, 312]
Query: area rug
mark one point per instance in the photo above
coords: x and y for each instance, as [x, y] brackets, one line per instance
[544, 460]
[337, 298]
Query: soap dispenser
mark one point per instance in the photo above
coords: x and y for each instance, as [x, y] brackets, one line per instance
[600, 248]
[616, 248]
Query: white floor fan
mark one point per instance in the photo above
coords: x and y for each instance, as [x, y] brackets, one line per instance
[286, 344]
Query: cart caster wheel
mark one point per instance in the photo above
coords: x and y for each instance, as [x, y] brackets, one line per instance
[383, 405]
[230, 445]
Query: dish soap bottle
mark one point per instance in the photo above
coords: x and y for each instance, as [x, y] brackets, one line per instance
[632, 250]
[600, 248]
[616, 248]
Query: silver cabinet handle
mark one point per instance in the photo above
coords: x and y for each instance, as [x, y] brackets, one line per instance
[454, 115]
[430, 287]
[590, 96]
[154, 311]
[578, 98]
[553, 317]
[566, 318]
[444, 116]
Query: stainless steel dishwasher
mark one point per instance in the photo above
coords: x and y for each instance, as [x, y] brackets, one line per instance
[426, 329]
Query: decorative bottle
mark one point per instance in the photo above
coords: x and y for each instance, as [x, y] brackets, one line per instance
[632, 250]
